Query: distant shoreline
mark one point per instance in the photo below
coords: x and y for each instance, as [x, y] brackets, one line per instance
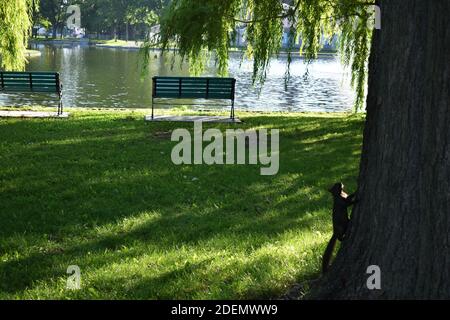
[136, 45]
[32, 53]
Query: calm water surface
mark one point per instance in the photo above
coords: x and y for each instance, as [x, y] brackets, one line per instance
[105, 77]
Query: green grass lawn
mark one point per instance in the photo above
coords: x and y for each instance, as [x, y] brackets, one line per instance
[99, 191]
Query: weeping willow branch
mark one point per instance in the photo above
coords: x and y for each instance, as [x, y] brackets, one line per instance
[200, 26]
[290, 14]
[15, 24]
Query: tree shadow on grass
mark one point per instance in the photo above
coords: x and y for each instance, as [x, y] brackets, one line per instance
[166, 233]
[66, 184]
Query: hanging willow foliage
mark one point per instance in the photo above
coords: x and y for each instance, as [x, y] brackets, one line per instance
[15, 25]
[197, 27]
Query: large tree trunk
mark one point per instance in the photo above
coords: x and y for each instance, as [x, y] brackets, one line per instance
[402, 221]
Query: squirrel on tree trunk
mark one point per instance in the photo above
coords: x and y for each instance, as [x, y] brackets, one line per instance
[341, 201]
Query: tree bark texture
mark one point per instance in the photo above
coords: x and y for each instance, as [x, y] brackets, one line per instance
[402, 220]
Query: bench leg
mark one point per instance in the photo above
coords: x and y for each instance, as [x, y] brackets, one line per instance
[232, 110]
[60, 106]
[153, 110]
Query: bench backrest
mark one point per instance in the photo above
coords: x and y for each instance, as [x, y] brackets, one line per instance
[193, 88]
[30, 82]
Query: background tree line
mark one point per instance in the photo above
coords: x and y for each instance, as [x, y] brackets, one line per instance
[112, 19]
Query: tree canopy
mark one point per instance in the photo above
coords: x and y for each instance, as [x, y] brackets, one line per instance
[15, 25]
[201, 26]
[105, 16]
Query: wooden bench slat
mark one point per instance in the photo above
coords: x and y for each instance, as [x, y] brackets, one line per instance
[160, 86]
[184, 87]
[12, 87]
[28, 79]
[24, 90]
[27, 84]
[21, 84]
[28, 72]
[192, 78]
[21, 74]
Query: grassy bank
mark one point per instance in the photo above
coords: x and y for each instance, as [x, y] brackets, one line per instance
[123, 44]
[32, 53]
[99, 191]
[118, 43]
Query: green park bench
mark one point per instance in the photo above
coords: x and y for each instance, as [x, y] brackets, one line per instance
[206, 88]
[32, 82]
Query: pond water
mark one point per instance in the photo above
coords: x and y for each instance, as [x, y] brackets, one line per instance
[105, 77]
